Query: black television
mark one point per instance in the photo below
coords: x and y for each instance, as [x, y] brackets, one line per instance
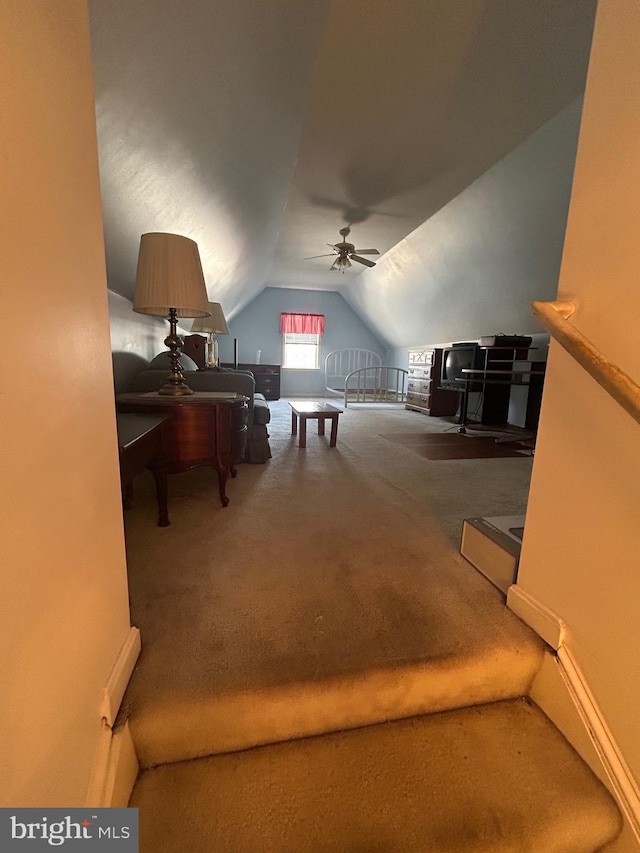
[457, 358]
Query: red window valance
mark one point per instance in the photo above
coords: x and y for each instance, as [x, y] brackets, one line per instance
[302, 324]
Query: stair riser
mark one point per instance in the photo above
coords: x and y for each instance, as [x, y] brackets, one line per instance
[191, 729]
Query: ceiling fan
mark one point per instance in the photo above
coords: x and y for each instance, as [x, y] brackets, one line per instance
[346, 252]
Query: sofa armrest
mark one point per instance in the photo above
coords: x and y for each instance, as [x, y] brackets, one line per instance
[213, 380]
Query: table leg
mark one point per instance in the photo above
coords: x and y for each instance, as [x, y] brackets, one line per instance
[321, 425]
[127, 495]
[159, 469]
[222, 484]
[223, 452]
[465, 405]
[294, 423]
[303, 431]
[334, 431]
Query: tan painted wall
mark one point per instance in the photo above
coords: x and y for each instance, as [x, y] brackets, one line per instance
[64, 594]
[581, 551]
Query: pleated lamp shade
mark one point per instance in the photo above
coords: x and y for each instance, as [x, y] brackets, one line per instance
[169, 276]
[215, 324]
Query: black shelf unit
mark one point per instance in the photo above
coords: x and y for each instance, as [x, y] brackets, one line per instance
[494, 403]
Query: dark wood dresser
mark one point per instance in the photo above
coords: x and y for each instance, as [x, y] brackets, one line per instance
[423, 393]
[205, 428]
[267, 378]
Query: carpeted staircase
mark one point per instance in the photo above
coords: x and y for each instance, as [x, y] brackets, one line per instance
[321, 670]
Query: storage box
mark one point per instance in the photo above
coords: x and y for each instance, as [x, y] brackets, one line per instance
[491, 547]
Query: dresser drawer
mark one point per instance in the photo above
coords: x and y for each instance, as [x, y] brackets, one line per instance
[267, 378]
[271, 390]
[419, 386]
[422, 400]
[266, 381]
[425, 372]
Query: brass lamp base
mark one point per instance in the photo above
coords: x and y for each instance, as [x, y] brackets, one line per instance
[175, 386]
[177, 390]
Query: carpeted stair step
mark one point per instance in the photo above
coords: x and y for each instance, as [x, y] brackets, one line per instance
[185, 725]
[496, 778]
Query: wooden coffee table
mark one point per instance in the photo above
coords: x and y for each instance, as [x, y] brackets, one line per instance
[314, 411]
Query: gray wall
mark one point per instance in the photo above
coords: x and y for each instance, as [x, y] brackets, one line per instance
[257, 327]
[475, 267]
[135, 339]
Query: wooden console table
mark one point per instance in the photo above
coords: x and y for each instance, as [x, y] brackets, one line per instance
[205, 428]
[141, 443]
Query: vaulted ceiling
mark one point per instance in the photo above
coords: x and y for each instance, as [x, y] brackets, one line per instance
[259, 128]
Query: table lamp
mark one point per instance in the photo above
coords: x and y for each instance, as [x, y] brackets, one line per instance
[213, 325]
[170, 283]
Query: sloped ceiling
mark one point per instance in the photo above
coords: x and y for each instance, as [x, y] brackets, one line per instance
[261, 128]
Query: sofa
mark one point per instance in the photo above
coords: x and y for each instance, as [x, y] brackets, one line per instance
[155, 374]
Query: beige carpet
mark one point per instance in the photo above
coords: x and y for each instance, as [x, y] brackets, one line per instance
[489, 779]
[329, 594]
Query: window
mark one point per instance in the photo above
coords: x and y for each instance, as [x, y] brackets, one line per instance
[301, 340]
[300, 351]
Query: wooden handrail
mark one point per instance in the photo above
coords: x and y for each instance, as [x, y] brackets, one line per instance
[553, 316]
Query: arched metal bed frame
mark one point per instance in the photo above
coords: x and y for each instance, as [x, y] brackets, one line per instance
[358, 376]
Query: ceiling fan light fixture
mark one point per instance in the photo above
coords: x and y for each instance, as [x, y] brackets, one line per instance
[346, 252]
[341, 263]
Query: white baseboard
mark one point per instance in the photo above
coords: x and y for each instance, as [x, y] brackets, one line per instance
[544, 622]
[122, 768]
[623, 784]
[583, 710]
[95, 792]
[120, 675]
[115, 768]
[115, 765]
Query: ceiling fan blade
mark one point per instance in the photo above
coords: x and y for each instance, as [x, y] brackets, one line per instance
[331, 245]
[367, 251]
[328, 255]
[364, 261]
